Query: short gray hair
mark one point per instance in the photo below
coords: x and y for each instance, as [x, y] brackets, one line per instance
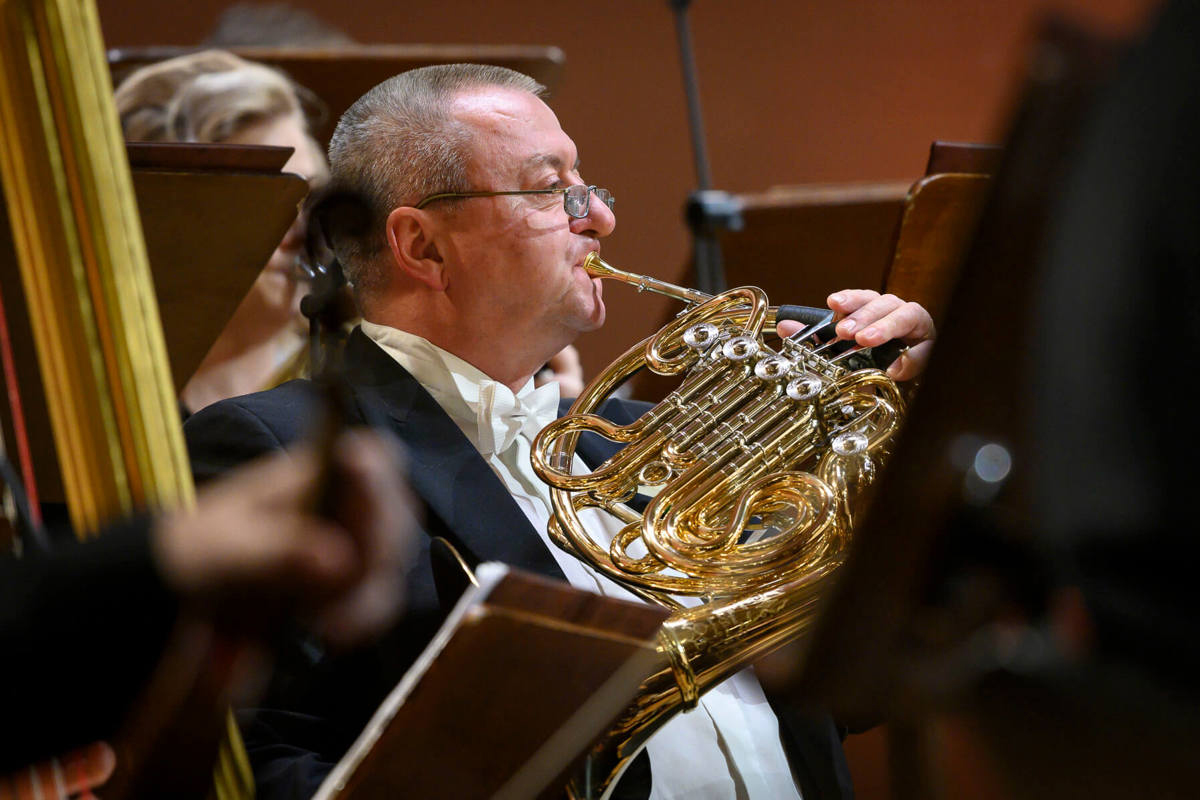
[398, 144]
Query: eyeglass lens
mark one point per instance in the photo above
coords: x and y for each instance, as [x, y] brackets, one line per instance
[577, 199]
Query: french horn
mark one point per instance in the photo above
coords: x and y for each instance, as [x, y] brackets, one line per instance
[751, 472]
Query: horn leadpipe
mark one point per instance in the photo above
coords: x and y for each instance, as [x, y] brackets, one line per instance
[597, 267]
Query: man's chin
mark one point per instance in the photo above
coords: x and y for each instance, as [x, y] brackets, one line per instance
[586, 307]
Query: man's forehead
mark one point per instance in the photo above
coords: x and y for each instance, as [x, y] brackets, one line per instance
[500, 111]
[518, 126]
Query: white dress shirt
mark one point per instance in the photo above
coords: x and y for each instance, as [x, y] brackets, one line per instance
[729, 746]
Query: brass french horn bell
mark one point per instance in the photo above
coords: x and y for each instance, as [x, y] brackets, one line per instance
[751, 470]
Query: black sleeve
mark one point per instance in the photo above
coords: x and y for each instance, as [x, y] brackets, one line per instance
[80, 632]
[230, 433]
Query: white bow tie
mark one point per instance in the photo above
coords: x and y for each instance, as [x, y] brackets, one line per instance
[503, 416]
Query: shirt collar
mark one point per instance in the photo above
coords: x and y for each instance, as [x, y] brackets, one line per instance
[489, 413]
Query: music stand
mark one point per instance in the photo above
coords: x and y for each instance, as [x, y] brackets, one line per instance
[972, 158]
[800, 243]
[212, 215]
[939, 218]
[524, 675]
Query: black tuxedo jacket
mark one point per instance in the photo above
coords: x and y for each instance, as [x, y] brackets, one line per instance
[319, 705]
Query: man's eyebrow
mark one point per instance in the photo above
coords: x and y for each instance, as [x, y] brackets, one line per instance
[546, 160]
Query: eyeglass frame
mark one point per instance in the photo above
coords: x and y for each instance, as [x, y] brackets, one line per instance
[587, 207]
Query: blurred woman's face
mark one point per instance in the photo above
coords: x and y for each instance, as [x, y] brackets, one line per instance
[279, 286]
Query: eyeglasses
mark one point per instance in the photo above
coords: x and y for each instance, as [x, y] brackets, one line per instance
[577, 199]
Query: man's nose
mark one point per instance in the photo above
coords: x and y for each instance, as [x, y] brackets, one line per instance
[599, 221]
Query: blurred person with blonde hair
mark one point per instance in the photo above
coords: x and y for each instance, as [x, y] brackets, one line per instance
[215, 96]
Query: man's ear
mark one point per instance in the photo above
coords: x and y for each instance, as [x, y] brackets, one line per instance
[411, 236]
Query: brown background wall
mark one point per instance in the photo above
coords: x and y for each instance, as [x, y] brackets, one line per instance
[804, 92]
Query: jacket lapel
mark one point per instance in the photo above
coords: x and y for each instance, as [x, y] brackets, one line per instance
[465, 500]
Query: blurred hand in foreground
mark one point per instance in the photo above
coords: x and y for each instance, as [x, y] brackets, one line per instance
[253, 546]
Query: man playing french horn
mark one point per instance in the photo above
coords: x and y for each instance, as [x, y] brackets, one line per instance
[469, 279]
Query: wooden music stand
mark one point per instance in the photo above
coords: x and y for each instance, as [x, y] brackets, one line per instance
[340, 75]
[523, 677]
[969, 157]
[801, 243]
[940, 215]
[212, 215]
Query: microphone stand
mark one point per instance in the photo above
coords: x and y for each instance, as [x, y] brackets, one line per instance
[708, 211]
